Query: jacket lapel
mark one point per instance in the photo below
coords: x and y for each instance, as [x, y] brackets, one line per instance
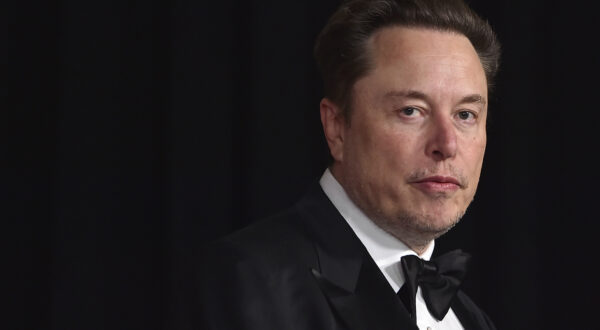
[355, 288]
[339, 289]
[469, 315]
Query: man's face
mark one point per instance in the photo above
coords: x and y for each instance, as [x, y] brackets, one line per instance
[412, 153]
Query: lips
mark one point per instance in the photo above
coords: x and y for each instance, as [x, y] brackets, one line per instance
[440, 179]
[437, 184]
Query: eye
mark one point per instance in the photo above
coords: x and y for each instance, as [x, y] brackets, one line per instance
[409, 111]
[466, 115]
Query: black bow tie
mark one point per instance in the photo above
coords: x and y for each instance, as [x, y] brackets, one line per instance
[439, 280]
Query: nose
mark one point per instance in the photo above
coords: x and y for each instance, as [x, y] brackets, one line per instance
[441, 143]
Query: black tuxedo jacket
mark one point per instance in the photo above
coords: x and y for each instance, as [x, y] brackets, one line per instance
[303, 269]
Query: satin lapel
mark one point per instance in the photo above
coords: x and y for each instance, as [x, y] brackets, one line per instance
[469, 315]
[356, 289]
[337, 279]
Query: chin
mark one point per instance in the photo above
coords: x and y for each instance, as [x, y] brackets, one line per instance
[423, 228]
[435, 225]
[436, 216]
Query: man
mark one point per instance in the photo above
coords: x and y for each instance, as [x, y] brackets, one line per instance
[406, 85]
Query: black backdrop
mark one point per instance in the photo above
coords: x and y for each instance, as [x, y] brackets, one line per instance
[139, 130]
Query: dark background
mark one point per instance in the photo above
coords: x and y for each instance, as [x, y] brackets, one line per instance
[139, 130]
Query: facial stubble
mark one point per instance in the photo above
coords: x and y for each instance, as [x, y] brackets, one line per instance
[416, 231]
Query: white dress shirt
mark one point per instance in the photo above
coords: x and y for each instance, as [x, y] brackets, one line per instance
[386, 251]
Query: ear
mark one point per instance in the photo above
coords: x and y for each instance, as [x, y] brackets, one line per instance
[334, 126]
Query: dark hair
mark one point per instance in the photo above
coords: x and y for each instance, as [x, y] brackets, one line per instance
[340, 48]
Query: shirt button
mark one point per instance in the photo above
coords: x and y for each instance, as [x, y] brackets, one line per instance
[428, 328]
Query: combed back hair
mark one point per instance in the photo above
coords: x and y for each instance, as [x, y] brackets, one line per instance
[341, 47]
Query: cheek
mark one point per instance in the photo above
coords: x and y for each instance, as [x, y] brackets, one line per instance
[474, 159]
[474, 147]
[363, 140]
[479, 150]
[381, 148]
[397, 154]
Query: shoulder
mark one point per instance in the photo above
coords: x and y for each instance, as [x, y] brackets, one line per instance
[275, 251]
[285, 237]
[267, 239]
[249, 279]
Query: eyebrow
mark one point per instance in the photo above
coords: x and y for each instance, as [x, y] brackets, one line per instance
[471, 98]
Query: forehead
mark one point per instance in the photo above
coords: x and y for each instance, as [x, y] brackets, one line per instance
[400, 43]
[426, 59]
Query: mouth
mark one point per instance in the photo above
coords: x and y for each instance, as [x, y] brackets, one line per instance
[437, 184]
